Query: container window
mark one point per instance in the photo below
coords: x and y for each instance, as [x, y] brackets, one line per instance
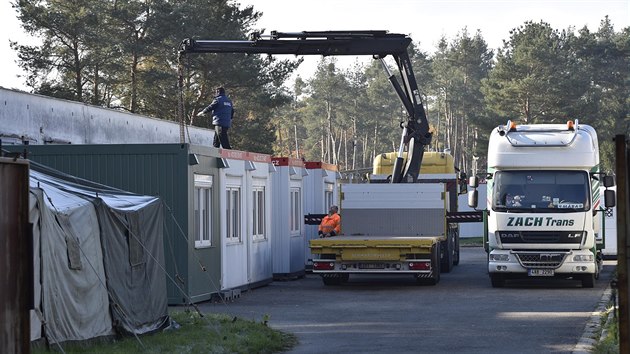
[202, 201]
[233, 213]
[328, 196]
[259, 214]
[296, 210]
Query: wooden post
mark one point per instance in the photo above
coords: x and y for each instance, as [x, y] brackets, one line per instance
[622, 172]
[16, 260]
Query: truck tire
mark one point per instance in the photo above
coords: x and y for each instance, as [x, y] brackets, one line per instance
[497, 280]
[588, 280]
[446, 256]
[456, 253]
[435, 273]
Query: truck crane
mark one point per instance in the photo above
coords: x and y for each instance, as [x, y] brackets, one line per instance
[400, 227]
[379, 44]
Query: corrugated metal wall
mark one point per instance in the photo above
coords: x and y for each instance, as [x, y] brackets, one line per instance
[48, 120]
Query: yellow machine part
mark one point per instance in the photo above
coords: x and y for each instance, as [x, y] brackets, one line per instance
[432, 163]
[372, 248]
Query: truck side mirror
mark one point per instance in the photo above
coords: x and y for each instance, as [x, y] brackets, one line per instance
[473, 198]
[609, 198]
[609, 181]
[473, 181]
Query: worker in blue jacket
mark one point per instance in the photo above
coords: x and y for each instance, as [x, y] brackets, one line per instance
[222, 113]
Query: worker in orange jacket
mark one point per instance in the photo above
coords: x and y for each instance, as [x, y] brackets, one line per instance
[331, 223]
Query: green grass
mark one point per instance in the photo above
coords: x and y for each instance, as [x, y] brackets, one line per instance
[471, 241]
[209, 334]
[610, 343]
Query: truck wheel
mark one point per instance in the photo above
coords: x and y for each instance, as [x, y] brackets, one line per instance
[456, 255]
[497, 280]
[446, 256]
[588, 280]
[435, 272]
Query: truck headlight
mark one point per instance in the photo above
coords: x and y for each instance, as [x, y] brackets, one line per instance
[583, 258]
[499, 257]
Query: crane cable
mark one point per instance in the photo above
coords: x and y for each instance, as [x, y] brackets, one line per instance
[181, 109]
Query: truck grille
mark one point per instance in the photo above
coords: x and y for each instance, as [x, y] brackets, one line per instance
[573, 237]
[540, 237]
[540, 260]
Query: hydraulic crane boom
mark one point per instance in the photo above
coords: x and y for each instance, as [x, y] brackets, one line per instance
[378, 44]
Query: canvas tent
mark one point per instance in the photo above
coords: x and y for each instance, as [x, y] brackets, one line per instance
[98, 259]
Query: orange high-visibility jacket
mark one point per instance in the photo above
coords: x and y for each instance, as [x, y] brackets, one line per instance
[330, 223]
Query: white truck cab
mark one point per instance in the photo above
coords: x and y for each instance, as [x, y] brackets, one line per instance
[543, 199]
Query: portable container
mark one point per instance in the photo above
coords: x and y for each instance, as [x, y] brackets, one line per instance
[288, 218]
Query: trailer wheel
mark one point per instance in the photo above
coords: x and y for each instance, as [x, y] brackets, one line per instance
[435, 272]
[497, 280]
[588, 280]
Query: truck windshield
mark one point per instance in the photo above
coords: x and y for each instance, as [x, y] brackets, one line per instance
[541, 191]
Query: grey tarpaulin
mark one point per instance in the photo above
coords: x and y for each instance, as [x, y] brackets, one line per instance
[74, 303]
[101, 255]
[131, 254]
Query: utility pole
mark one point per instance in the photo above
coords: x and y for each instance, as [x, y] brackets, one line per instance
[16, 268]
[622, 172]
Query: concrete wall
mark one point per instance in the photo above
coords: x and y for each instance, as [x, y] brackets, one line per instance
[45, 120]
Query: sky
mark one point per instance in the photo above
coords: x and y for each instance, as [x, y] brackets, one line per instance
[426, 21]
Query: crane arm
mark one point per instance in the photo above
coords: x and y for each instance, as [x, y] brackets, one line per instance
[378, 44]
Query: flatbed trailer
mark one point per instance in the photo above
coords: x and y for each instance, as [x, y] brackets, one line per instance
[340, 256]
[388, 228]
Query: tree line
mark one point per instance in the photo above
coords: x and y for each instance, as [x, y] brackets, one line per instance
[122, 54]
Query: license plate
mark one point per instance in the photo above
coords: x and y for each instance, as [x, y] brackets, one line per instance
[371, 266]
[540, 272]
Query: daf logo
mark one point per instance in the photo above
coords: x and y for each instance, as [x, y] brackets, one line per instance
[576, 235]
[546, 256]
